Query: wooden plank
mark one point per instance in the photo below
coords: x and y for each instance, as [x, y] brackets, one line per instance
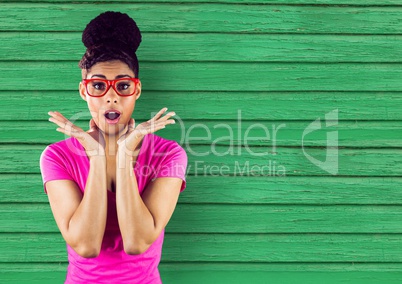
[285, 248]
[165, 47]
[233, 218]
[292, 161]
[227, 272]
[27, 188]
[250, 161]
[208, 17]
[179, 266]
[271, 248]
[277, 107]
[22, 188]
[357, 134]
[212, 76]
[221, 274]
[296, 190]
[285, 219]
[235, 276]
[265, 2]
[285, 277]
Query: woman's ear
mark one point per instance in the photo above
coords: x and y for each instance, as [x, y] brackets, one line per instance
[138, 92]
[82, 91]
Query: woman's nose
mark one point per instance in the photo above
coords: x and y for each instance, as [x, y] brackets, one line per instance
[110, 99]
[111, 95]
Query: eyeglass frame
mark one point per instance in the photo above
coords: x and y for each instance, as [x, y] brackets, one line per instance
[110, 83]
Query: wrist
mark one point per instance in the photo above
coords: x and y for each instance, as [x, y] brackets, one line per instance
[124, 160]
[124, 150]
[97, 158]
[98, 163]
[95, 153]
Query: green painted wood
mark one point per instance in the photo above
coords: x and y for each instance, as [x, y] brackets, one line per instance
[298, 60]
[208, 17]
[242, 248]
[228, 219]
[250, 161]
[282, 277]
[254, 218]
[165, 47]
[292, 190]
[229, 277]
[265, 2]
[178, 266]
[212, 76]
[227, 273]
[21, 188]
[27, 188]
[356, 134]
[274, 106]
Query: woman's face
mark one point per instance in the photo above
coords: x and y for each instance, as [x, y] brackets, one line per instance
[98, 106]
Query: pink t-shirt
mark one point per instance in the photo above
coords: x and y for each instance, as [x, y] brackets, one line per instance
[158, 157]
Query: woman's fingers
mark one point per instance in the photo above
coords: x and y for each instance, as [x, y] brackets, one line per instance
[65, 126]
[93, 145]
[153, 126]
[167, 117]
[62, 124]
[57, 115]
[159, 114]
[131, 124]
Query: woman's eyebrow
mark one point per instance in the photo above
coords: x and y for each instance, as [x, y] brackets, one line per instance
[117, 77]
[98, 75]
[122, 76]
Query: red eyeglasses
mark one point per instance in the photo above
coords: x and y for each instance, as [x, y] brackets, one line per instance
[99, 87]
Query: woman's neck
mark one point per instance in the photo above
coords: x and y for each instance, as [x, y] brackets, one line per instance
[111, 145]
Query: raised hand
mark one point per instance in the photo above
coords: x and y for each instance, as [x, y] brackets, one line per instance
[87, 139]
[129, 141]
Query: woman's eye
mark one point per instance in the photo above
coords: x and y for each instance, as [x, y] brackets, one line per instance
[123, 86]
[98, 86]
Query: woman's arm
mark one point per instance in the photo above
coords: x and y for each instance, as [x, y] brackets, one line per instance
[81, 218]
[142, 219]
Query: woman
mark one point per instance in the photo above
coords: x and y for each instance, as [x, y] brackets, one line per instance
[112, 189]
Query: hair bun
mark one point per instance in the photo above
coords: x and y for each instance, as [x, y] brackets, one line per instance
[112, 29]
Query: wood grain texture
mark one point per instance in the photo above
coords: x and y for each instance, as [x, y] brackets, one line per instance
[27, 188]
[177, 266]
[265, 2]
[209, 17]
[269, 107]
[233, 218]
[189, 47]
[228, 273]
[314, 273]
[243, 248]
[352, 134]
[282, 63]
[212, 76]
[251, 161]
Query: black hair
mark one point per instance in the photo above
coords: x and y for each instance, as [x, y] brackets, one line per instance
[111, 36]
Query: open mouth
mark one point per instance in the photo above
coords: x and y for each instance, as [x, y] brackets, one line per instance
[112, 116]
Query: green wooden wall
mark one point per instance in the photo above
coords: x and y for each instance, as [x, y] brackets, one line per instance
[228, 68]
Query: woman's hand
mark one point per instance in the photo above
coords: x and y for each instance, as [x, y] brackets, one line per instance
[129, 141]
[87, 139]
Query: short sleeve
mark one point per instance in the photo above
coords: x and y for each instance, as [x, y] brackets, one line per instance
[52, 166]
[174, 164]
